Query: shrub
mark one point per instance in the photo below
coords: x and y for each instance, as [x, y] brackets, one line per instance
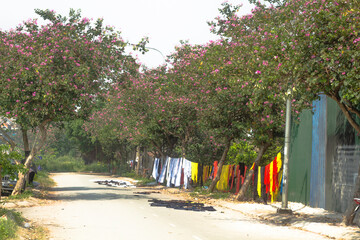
[97, 167]
[9, 221]
[61, 164]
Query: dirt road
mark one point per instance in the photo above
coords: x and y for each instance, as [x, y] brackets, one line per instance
[87, 210]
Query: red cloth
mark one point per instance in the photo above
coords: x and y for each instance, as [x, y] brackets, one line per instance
[275, 175]
[215, 168]
[267, 178]
[243, 177]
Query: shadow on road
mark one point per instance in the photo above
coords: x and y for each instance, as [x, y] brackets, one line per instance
[93, 194]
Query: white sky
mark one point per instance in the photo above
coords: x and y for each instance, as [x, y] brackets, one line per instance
[165, 22]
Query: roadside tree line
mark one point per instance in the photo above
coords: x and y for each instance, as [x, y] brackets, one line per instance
[233, 90]
[205, 99]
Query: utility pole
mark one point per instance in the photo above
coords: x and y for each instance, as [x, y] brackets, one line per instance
[284, 203]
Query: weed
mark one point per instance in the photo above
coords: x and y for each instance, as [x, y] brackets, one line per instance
[9, 222]
[42, 177]
[24, 195]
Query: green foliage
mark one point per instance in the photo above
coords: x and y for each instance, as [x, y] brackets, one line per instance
[96, 167]
[44, 180]
[52, 163]
[242, 152]
[6, 158]
[24, 195]
[9, 222]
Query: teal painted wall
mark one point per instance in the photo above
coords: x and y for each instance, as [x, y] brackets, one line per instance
[300, 159]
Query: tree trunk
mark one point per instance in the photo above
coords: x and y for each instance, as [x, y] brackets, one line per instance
[137, 160]
[221, 163]
[0, 182]
[21, 177]
[245, 186]
[348, 217]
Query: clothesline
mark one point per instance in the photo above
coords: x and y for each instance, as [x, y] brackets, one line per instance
[178, 172]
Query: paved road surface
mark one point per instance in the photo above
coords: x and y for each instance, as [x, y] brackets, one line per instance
[89, 211]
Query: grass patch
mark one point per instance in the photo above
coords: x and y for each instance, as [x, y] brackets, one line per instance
[97, 167]
[201, 192]
[43, 178]
[70, 164]
[141, 180]
[9, 223]
[24, 195]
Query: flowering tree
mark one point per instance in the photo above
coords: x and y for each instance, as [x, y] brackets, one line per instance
[315, 46]
[328, 33]
[53, 72]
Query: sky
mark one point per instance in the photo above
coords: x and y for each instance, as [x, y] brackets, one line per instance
[164, 22]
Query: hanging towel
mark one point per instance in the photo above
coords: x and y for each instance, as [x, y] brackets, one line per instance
[187, 173]
[194, 172]
[178, 175]
[222, 184]
[215, 168]
[259, 182]
[163, 171]
[155, 173]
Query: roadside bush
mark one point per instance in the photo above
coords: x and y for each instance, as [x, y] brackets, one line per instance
[43, 178]
[9, 222]
[97, 167]
[61, 164]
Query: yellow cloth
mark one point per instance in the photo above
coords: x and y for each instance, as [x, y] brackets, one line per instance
[206, 173]
[223, 183]
[279, 165]
[271, 169]
[259, 182]
[194, 171]
[271, 174]
[252, 166]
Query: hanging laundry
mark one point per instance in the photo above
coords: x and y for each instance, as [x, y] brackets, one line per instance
[259, 182]
[155, 173]
[194, 172]
[215, 169]
[163, 171]
[222, 184]
[267, 178]
[179, 173]
[272, 177]
[187, 173]
[242, 169]
[238, 179]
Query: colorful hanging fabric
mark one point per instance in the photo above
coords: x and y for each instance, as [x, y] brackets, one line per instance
[238, 179]
[206, 173]
[243, 177]
[222, 184]
[231, 177]
[215, 169]
[194, 172]
[278, 175]
[259, 182]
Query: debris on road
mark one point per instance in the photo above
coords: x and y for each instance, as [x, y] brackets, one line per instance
[115, 183]
[146, 193]
[181, 205]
